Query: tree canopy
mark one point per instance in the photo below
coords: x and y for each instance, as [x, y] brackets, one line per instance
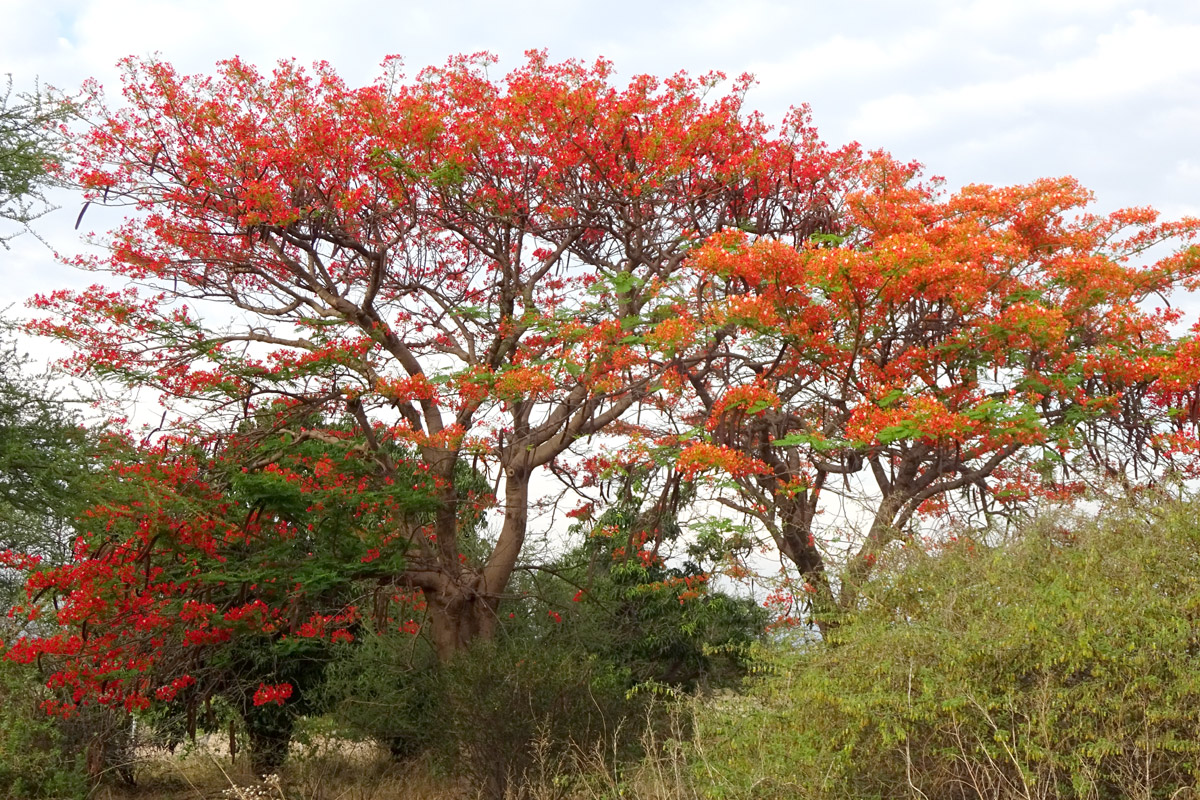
[475, 269]
[942, 355]
[375, 315]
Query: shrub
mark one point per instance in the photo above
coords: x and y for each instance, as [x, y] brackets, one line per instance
[378, 688]
[36, 758]
[509, 710]
[493, 713]
[1063, 664]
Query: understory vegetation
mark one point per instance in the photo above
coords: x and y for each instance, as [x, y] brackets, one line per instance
[1062, 661]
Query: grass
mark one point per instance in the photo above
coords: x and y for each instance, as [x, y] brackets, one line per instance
[328, 768]
[324, 770]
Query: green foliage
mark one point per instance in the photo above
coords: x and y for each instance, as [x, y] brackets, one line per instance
[492, 712]
[661, 622]
[621, 600]
[379, 688]
[504, 701]
[336, 513]
[47, 476]
[562, 677]
[34, 759]
[28, 146]
[1063, 664]
[45, 472]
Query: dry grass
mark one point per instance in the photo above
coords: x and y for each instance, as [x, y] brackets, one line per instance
[333, 769]
[326, 769]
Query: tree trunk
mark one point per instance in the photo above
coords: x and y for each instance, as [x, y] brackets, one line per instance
[270, 732]
[463, 608]
[512, 536]
[883, 530]
[458, 618]
[797, 544]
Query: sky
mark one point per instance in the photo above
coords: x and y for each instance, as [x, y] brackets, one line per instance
[990, 91]
[995, 91]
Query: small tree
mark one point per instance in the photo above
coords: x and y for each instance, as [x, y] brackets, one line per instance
[625, 596]
[229, 574]
[29, 148]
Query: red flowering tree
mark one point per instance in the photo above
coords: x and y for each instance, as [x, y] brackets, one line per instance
[939, 355]
[231, 574]
[467, 270]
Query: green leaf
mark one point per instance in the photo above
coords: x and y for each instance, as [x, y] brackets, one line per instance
[815, 441]
[623, 282]
[792, 440]
[983, 411]
[894, 433]
[889, 399]
[831, 239]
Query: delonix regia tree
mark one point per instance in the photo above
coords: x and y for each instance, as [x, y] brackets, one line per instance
[966, 352]
[477, 270]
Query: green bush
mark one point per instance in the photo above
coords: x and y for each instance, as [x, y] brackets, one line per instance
[1063, 664]
[493, 714]
[378, 688]
[663, 623]
[508, 711]
[36, 760]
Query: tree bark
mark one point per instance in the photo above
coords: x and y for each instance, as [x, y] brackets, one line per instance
[464, 607]
[457, 618]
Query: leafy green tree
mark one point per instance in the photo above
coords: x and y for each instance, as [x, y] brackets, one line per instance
[658, 618]
[46, 478]
[45, 466]
[29, 147]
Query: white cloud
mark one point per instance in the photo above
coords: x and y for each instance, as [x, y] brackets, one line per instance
[1144, 54]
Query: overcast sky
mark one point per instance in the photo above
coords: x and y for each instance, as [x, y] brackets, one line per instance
[996, 91]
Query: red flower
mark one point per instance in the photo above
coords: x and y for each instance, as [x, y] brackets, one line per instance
[276, 693]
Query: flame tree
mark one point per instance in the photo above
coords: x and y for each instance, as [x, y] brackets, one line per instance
[417, 274]
[938, 355]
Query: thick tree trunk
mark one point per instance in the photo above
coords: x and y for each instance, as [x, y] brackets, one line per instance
[464, 607]
[457, 619]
